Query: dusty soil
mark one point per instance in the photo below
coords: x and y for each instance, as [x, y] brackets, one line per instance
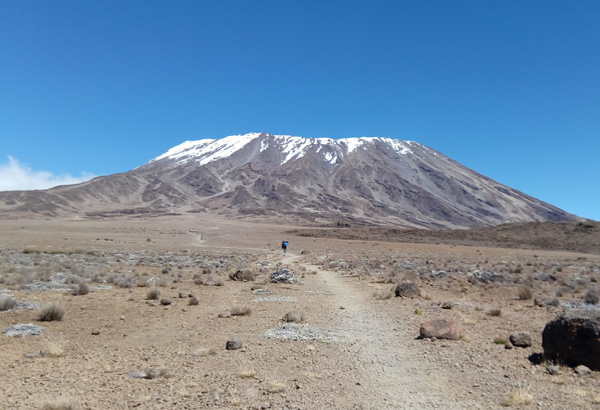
[377, 362]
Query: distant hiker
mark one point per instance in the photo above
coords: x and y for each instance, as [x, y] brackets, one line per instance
[284, 245]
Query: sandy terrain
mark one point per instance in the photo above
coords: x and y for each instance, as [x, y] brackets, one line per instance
[375, 362]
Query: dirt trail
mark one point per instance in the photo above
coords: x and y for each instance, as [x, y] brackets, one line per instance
[389, 374]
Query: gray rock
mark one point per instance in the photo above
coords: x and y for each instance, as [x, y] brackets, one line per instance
[293, 316]
[539, 302]
[544, 277]
[304, 332]
[521, 339]
[23, 330]
[234, 343]
[485, 276]
[553, 370]
[582, 370]
[284, 276]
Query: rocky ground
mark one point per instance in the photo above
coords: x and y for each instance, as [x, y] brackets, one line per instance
[357, 347]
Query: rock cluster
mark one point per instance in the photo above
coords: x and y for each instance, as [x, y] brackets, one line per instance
[284, 276]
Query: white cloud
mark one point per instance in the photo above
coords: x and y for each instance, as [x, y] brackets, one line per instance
[18, 177]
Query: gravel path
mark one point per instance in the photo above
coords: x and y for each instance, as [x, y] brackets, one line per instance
[391, 376]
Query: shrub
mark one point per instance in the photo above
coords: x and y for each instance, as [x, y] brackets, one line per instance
[153, 293]
[525, 293]
[50, 312]
[82, 289]
[55, 346]
[494, 312]
[591, 296]
[241, 310]
[60, 403]
[500, 341]
[518, 397]
[7, 302]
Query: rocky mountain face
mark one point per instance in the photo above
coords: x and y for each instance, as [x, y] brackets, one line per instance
[375, 181]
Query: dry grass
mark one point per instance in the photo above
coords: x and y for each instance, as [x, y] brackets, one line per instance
[59, 403]
[247, 373]
[384, 293]
[494, 312]
[518, 397]
[469, 321]
[7, 302]
[275, 386]
[50, 312]
[55, 346]
[153, 293]
[241, 310]
[157, 373]
[81, 289]
[525, 293]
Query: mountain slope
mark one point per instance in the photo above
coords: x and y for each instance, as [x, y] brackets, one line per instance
[367, 180]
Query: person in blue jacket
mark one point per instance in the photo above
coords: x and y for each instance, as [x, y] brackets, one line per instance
[284, 246]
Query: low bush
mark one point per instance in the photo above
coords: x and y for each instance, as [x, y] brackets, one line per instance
[525, 293]
[50, 312]
[7, 302]
[241, 310]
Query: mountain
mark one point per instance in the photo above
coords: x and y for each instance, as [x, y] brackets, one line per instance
[373, 181]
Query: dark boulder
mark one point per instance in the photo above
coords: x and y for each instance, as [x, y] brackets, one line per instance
[574, 338]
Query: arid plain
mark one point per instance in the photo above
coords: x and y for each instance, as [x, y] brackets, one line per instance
[118, 348]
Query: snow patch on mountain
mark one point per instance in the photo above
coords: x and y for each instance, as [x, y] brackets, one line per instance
[291, 148]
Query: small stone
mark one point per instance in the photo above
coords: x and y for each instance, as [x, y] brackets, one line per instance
[235, 343]
[521, 339]
[122, 318]
[95, 332]
[446, 305]
[553, 370]
[582, 370]
[165, 302]
[539, 302]
[508, 345]
[294, 316]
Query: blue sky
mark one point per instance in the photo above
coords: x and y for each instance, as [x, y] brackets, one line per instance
[510, 89]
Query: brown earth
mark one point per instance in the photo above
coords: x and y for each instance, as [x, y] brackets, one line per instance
[570, 236]
[376, 363]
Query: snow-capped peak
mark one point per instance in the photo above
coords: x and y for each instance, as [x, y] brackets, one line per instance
[208, 150]
[290, 147]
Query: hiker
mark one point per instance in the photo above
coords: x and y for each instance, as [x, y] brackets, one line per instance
[284, 245]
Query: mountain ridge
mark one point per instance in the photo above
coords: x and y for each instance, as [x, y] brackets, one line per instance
[368, 180]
